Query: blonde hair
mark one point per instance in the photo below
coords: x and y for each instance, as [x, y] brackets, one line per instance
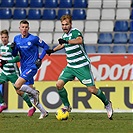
[64, 17]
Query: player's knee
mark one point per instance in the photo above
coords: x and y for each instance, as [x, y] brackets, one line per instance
[58, 86]
[92, 89]
[17, 86]
[19, 92]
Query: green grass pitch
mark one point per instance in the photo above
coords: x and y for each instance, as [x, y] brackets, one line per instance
[77, 123]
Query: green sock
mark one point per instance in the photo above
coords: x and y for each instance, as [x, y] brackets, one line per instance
[101, 96]
[1, 98]
[63, 96]
[27, 99]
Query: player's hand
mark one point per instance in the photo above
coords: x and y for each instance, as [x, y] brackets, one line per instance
[2, 63]
[61, 41]
[38, 63]
[13, 45]
[49, 51]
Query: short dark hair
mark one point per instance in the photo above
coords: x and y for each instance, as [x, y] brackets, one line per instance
[24, 22]
[4, 32]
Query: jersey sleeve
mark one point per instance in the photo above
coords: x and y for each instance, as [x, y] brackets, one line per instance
[15, 50]
[42, 44]
[14, 60]
[77, 33]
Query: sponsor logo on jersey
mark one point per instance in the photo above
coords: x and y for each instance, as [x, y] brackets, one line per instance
[23, 46]
[86, 81]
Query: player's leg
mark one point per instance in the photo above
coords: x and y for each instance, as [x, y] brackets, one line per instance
[19, 82]
[3, 105]
[27, 88]
[102, 97]
[27, 77]
[64, 77]
[62, 92]
[12, 78]
[86, 77]
[30, 90]
[44, 113]
[1, 98]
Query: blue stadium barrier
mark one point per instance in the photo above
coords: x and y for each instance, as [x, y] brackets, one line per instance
[120, 38]
[49, 14]
[51, 3]
[119, 49]
[65, 4]
[22, 3]
[78, 14]
[105, 38]
[121, 26]
[90, 48]
[80, 4]
[63, 12]
[34, 14]
[5, 13]
[104, 49]
[19, 13]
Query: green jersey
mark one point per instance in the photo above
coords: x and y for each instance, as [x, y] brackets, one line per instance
[76, 54]
[6, 54]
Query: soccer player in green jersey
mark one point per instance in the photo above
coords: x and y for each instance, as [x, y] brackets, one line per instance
[78, 65]
[10, 72]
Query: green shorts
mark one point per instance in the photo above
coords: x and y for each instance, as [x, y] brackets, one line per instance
[5, 78]
[84, 75]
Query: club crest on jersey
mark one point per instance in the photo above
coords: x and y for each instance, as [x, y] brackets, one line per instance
[29, 43]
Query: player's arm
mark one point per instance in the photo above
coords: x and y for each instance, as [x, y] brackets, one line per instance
[14, 49]
[58, 47]
[2, 63]
[45, 47]
[78, 40]
[14, 60]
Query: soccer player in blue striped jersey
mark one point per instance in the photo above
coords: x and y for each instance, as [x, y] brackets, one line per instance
[27, 45]
[10, 71]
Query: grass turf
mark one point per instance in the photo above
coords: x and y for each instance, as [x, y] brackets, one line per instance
[77, 123]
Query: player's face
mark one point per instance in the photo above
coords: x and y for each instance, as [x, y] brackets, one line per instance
[4, 39]
[24, 28]
[66, 25]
